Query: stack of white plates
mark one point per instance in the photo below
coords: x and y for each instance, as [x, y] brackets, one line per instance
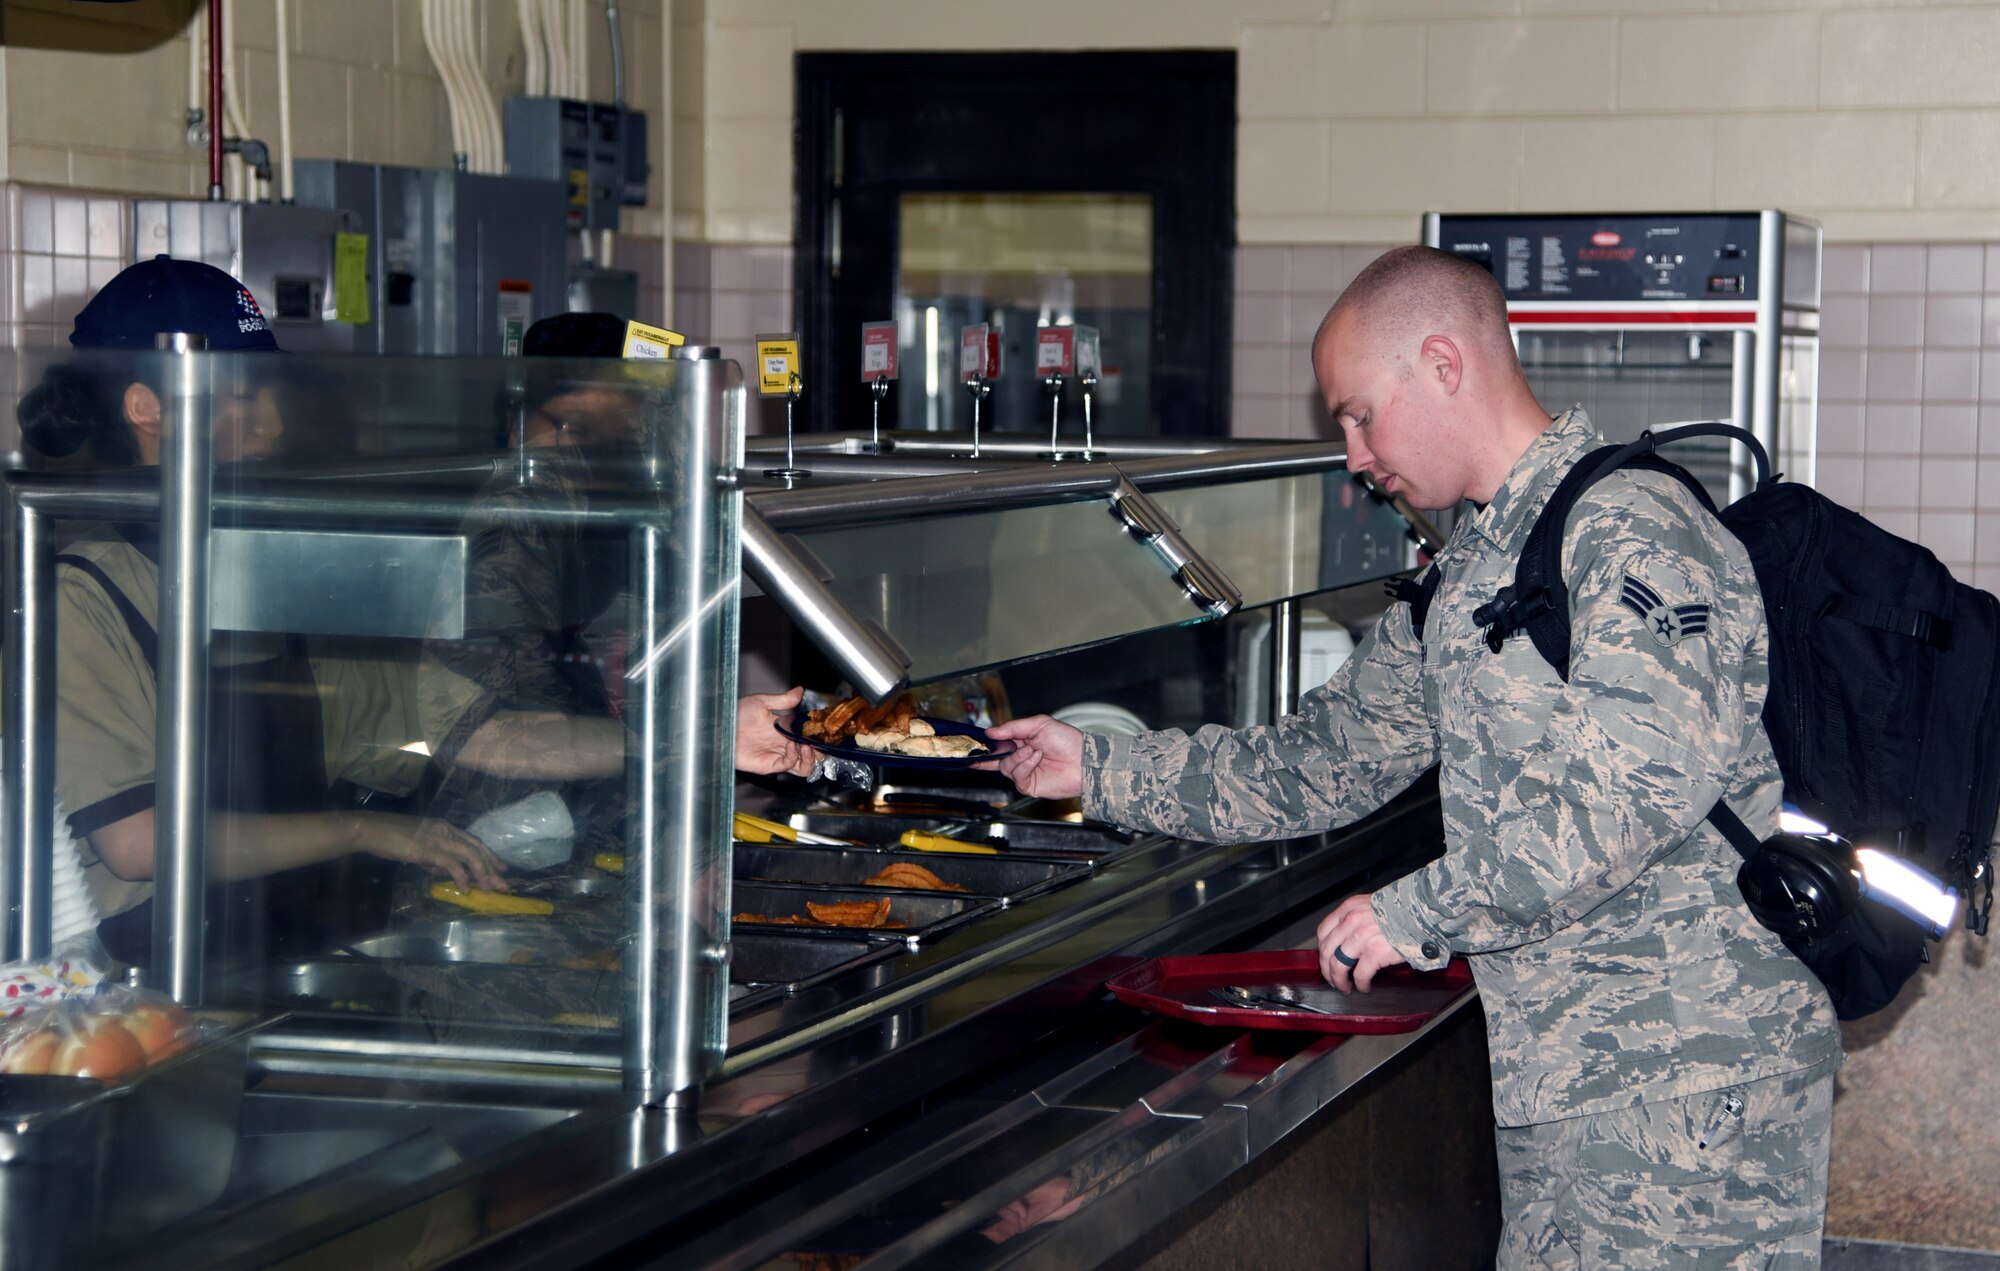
[71, 913]
[1102, 717]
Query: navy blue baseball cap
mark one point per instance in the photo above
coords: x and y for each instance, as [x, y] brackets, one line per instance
[164, 294]
[575, 335]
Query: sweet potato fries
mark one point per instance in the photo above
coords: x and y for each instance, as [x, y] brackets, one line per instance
[837, 724]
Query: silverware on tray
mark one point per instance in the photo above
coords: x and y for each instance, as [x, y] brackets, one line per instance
[1281, 996]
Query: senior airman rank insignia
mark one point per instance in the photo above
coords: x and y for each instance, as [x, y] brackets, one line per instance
[1669, 624]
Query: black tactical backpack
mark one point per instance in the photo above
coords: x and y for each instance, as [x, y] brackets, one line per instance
[1884, 707]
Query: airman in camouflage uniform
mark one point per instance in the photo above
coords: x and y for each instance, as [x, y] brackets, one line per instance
[1662, 1066]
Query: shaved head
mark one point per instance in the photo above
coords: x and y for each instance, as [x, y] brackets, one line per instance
[1418, 371]
[1411, 292]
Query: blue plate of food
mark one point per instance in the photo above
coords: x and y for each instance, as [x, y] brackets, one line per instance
[892, 735]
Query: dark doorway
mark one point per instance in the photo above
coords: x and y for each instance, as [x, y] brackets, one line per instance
[1020, 190]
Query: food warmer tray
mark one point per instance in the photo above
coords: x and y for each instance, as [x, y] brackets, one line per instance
[922, 913]
[1012, 878]
[1056, 839]
[761, 966]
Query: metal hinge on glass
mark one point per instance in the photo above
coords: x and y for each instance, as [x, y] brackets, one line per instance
[1204, 584]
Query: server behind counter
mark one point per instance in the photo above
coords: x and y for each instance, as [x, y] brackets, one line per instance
[526, 703]
[287, 726]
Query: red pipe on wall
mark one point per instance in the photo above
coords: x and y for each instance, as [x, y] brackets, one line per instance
[215, 100]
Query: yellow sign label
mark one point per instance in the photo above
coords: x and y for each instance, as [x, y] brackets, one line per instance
[778, 365]
[579, 187]
[651, 343]
[350, 278]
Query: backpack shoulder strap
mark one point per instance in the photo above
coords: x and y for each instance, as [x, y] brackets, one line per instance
[142, 631]
[1417, 593]
[1538, 600]
[1724, 818]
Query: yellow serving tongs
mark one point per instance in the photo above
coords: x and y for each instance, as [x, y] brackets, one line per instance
[926, 841]
[755, 829]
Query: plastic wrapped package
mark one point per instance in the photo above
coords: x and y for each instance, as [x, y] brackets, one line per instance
[60, 1017]
[529, 834]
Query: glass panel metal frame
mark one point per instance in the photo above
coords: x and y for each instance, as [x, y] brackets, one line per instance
[660, 493]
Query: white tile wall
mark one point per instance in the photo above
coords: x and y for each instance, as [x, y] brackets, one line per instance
[1281, 295]
[1910, 395]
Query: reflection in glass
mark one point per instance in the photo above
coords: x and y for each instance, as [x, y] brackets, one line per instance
[1018, 262]
[970, 591]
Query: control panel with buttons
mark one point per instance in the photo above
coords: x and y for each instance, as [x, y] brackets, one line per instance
[1613, 258]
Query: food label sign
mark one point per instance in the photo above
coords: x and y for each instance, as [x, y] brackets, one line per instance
[878, 351]
[1055, 351]
[650, 343]
[1087, 360]
[972, 352]
[777, 364]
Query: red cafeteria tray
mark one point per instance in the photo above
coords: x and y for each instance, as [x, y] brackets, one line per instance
[1400, 1000]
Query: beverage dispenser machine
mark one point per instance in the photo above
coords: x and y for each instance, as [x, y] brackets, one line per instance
[1647, 320]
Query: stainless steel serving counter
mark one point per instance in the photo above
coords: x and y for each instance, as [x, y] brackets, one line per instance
[897, 1113]
[663, 1073]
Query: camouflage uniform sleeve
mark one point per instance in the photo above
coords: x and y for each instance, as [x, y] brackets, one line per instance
[1355, 743]
[511, 603]
[1638, 747]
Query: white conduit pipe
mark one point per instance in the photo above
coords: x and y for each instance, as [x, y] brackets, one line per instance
[489, 110]
[461, 38]
[284, 100]
[489, 106]
[566, 18]
[478, 94]
[537, 84]
[552, 44]
[579, 50]
[556, 31]
[434, 44]
[197, 62]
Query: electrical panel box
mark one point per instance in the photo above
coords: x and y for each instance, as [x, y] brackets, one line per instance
[459, 263]
[597, 151]
[284, 255]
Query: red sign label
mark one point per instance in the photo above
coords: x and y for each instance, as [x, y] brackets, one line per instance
[1606, 238]
[878, 351]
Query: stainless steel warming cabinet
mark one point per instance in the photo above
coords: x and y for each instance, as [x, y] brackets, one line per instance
[641, 1065]
[1648, 319]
